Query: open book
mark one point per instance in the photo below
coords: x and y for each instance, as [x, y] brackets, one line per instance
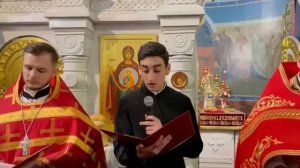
[180, 129]
[36, 155]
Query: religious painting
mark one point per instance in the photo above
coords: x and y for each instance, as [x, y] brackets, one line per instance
[241, 41]
[119, 69]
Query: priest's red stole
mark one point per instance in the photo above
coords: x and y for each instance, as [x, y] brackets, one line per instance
[272, 127]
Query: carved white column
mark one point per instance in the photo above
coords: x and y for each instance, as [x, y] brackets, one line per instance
[73, 30]
[179, 20]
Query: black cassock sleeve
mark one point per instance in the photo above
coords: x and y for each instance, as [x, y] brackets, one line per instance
[125, 155]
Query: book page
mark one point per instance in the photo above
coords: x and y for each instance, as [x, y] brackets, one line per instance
[6, 165]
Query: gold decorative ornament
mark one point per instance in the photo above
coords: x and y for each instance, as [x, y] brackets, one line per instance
[266, 103]
[262, 145]
[213, 88]
[179, 80]
[290, 49]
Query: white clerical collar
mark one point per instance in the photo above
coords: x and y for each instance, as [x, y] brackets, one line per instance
[38, 100]
[33, 94]
[155, 93]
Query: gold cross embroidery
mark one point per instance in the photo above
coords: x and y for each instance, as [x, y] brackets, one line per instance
[8, 134]
[52, 130]
[86, 136]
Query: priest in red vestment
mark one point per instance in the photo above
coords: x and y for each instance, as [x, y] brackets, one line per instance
[270, 136]
[40, 111]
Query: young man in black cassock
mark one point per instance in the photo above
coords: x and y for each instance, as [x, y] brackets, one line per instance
[133, 117]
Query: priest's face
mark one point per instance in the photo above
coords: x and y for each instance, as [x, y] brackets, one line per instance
[153, 72]
[38, 70]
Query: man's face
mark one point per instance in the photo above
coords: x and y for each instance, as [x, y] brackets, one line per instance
[37, 70]
[153, 72]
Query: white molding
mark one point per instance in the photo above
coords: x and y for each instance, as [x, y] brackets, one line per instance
[68, 3]
[216, 160]
[25, 6]
[176, 2]
[117, 6]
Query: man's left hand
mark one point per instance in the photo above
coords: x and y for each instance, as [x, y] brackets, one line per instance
[152, 124]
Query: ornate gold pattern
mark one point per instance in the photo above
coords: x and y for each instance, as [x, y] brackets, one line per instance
[254, 160]
[267, 115]
[266, 103]
[290, 49]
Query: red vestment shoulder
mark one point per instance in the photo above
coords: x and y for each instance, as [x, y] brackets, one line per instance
[60, 120]
[270, 130]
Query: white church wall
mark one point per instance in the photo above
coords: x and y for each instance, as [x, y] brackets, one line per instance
[11, 31]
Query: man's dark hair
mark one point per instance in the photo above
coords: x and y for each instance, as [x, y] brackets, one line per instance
[151, 49]
[40, 48]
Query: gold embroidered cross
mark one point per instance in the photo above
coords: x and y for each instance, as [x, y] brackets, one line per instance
[52, 130]
[8, 135]
[86, 136]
